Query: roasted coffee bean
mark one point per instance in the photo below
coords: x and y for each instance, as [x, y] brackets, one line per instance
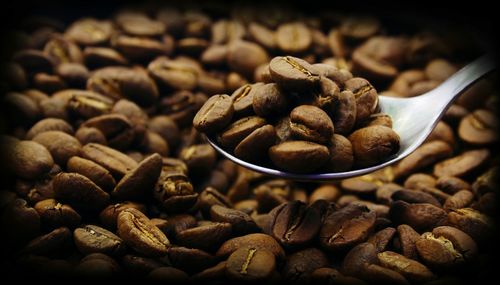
[479, 128]
[479, 226]
[452, 185]
[301, 264]
[174, 74]
[215, 114]
[207, 237]
[175, 192]
[98, 174]
[358, 257]
[241, 223]
[257, 240]
[91, 238]
[293, 38]
[329, 93]
[22, 220]
[294, 224]
[291, 73]
[116, 128]
[54, 243]
[190, 260]
[54, 214]
[142, 48]
[381, 239]
[116, 162]
[256, 145]
[311, 123]
[96, 57]
[209, 197]
[366, 97]
[89, 31]
[411, 269]
[345, 113]
[243, 99]
[200, 159]
[28, 159]
[169, 275]
[412, 196]
[268, 100]
[461, 199]
[250, 264]
[60, 145]
[79, 191]
[239, 130]
[374, 144]
[87, 104]
[244, 57]
[139, 233]
[425, 155]
[299, 156]
[326, 275]
[109, 215]
[139, 180]
[420, 216]
[359, 185]
[346, 227]
[463, 164]
[49, 124]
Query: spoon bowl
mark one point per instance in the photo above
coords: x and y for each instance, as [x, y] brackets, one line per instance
[413, 120]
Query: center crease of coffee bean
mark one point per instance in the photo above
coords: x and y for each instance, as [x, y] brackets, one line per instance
[243, 94]
[245, 265]
[297, 66]
[141, 227]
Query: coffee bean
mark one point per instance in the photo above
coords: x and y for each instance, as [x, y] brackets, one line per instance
[116, 162]
[420, 216]
[169, 275]
[96, 57]
[49, 124]
[256, 145]
[116, 128]
[293, 74]
[207, 237]
[91, 238]
[300, 265]
[257, 240]
[269, 100]
[359, 27]
[294, 224]
[98, 174]
[478, 128]
[239, 130]
[89, 31]
[139, 233]
[293, 38]
[190, 260]
[311, 123]
[109, 214]
[346, 227]
[244, 57]
[366, 97]
[28, 159]
[250, 264]
[479, 226]
[60, 145]
[425, 155]
[452, 185]
[372, 145]
[142, 178]
[241, 223]
[79, 191]
[55, 243]
[54, 214]
[215, 114]
[382, 238]
[90, 135]
[199, 158]
[299, 156]
[463, 164]
[411, 269]
[358, 257]
[412, 196]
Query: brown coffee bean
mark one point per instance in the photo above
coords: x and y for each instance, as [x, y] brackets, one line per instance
[91, 238]
[420, 216]
[73, 74]
[412, 196]
[424, 156]
[239, 130]
[244, 57]
[301, 264]
[122, 82]
[98, 174]
[366, 97]
[90, 135]
[257, 240]
[411, 269]
[96, 57]
[87, 104]
[139, 233]
[407, 238]
[478, 225]
[215, 114]
[438, 252]
[378, 274]
[175, 192]
[294, 224]
[115, 127]
[243, 98]
[209, 197]
[419, 180]
[79, 191]
[60, 145]
[382, 239]
[28, 159]
[439, 69]
[200, 159]
[168, 275]
[311, 123]
[22, 220]
[109, 214]
[142, 48]
[344, 114]
[359, 27]
[452, 185]
[174, 74]
[141, 26]
[54, 243]
[241, 222]
[208, 237]
[294, 74]
[359, 185]
[116, 162]
[250, 264]
[374, 144]
[443, 132]
[357, 258]
[461, 199]
[190, 260]
[479, 128]
[89, 31]
[463, 164]
[60, 50]
[139, 180]
[268, 100]
[384, 192]
[327, 275]
[346, 227]
[293, 38]
[49, 124]
[299, 156]
[54, 214]
[256, 145]
[262, 35]
[138, 265]
[33, 61]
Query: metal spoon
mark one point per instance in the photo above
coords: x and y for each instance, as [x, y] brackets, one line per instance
[413, 119]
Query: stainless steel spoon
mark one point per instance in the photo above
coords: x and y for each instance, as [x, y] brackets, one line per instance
[413, 119]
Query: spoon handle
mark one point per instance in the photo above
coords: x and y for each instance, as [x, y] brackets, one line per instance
[449, 90]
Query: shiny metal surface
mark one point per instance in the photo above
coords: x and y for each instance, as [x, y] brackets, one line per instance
[413, 119]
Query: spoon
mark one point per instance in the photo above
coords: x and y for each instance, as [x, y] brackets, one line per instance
[413, 119]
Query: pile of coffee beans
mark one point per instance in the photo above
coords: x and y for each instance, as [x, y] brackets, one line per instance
[312, 116]
[104, 176]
